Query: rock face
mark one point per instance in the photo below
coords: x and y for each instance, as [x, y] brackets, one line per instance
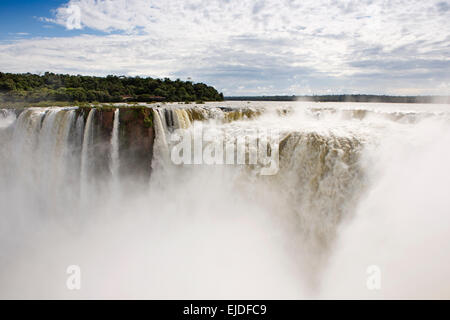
[101, 148]
[136, 135]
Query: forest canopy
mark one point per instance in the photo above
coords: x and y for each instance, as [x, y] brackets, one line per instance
[32, 88]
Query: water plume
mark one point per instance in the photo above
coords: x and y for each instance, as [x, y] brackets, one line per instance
[358, 185]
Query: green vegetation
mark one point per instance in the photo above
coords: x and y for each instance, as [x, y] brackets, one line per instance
[40, 104]
[148, 118]
[31, 88]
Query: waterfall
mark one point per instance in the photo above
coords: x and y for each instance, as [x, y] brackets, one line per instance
[68, 193]
[7, 117]
[161, 158]
[79, 131]
[115, 161]
[86, 154]
[53, 146]
[182, 120]
[161, 152]
[41, 135]
[61, 149]
[25, 145]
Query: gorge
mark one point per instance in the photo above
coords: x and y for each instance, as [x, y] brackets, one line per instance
[357, 185]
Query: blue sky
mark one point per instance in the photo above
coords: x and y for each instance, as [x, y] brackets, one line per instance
[20, 19]
[243, 47]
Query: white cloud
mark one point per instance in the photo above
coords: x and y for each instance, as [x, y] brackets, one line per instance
[265, 46]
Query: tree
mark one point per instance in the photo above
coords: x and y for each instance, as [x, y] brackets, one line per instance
[60, 87]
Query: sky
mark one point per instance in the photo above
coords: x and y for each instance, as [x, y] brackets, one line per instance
[241, 47]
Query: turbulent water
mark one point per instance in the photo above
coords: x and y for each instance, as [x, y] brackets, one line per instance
[356, 186]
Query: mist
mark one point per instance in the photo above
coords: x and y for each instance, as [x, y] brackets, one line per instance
[357, 186]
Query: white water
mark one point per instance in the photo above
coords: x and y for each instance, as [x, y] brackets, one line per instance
[86, 155]
[358, 185]
[115, 160]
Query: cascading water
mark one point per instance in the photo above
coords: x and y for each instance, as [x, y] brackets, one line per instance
[115, 161]
[348, 193]
[86, 154]
[161, 151]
